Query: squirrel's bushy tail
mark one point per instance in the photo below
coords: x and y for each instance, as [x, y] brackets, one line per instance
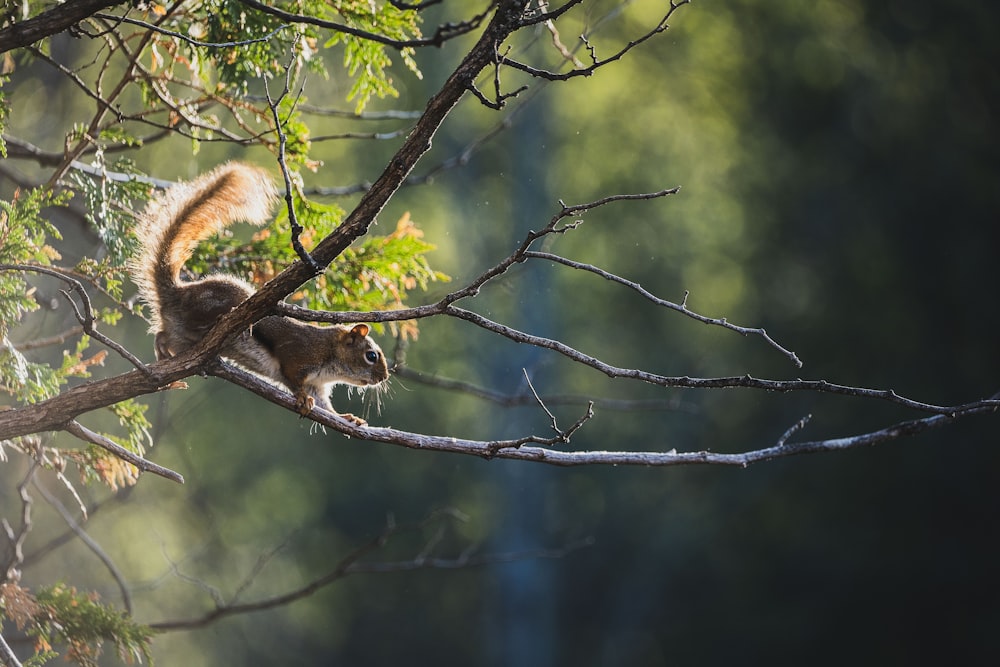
[188, 213]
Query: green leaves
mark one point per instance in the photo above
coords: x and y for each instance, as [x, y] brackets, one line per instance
[24, 235]
[229, 21]
[366, 60]
[84, 624]
[110, 203]
[377, 274]
[60, 615]
[258, 44]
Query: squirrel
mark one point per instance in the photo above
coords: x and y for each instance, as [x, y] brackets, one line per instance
[306, 358]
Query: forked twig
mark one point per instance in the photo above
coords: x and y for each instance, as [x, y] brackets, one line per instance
[282, 143]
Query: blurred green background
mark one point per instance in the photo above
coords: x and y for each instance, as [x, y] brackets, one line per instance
[839, 164]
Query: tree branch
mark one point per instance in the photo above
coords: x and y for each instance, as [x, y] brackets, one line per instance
[85, 434]
[55, 20]
[538, 449]
[679, 307]
[7, 655]
[293, 221]
[186, 38]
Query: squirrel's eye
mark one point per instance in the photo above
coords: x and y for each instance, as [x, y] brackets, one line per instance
[371, 356]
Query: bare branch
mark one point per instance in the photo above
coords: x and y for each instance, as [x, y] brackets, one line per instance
[466, 560]
[596, 63]
[85, 434]
[679, 307]
[55, 339]
[417, 6]
[462, 158]
[414, 440]
[541, 404]
[550, 25]
[66, 536]
[535, 448]
[792, 430]
[743, 381]
[369, 115]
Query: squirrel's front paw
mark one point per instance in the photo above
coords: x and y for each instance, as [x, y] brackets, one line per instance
[304, 404]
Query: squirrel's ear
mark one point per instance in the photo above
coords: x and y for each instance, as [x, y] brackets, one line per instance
[360, 330]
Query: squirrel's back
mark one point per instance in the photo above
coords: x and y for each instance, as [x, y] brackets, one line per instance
[188, 213]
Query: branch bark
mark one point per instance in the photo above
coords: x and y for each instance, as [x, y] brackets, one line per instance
[51, 22]
[542, 450]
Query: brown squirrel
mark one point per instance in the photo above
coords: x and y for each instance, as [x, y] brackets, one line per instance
[304, 357]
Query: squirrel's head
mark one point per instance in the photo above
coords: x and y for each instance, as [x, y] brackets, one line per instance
[367, 358]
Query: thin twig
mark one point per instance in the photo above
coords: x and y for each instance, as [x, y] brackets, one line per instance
[679, 307]
[541, 404]
[11, 569]
[86, 317]
[792, 430]
[55, 339]
[293, 221]
[596, 63]
[85, 434]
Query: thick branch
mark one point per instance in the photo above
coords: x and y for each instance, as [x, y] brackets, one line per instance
[49, 23]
